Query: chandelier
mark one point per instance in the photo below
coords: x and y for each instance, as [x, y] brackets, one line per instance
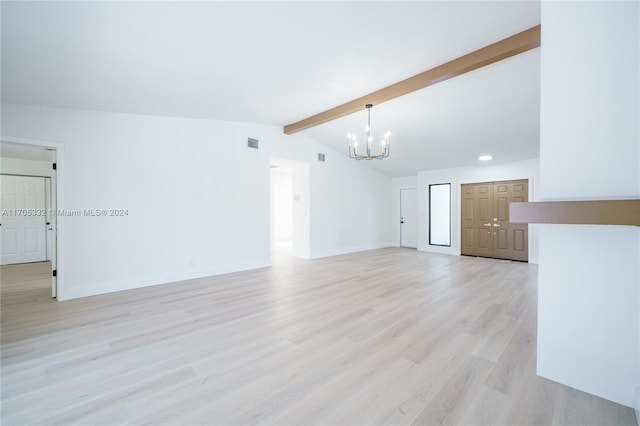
[353, 142]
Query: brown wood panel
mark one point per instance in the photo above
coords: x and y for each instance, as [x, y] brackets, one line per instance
[467, 239]
[505, 48]
[519, 240]
[597, 212]
[502, 207]
[502, 239]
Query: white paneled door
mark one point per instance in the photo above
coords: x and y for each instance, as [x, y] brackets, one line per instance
[23, 221]
[409, 217]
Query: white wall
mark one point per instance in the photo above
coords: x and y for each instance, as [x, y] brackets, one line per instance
[15, 166]
[528, 169]
[349, 206]
[589, 276]
[198, 198]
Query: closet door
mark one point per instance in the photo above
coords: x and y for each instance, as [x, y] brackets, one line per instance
[22, 231]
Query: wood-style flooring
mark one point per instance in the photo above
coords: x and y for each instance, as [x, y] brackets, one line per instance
[390, 336]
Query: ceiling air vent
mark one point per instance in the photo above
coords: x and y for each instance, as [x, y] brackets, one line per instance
[252, 143]
[320, 157]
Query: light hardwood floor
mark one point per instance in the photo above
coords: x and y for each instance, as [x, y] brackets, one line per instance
[389, 336]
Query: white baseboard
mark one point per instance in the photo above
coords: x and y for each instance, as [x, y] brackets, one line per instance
[346, 250]
[69, 293]
[456, 252]
[637, 405]
[440, 250]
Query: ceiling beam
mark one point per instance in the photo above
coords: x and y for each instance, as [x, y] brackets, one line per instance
[505, 48]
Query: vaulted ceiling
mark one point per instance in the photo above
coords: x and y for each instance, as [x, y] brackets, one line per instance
[279, 62]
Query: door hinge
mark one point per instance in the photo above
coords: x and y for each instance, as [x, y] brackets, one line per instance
[55, 166]
[55, 273]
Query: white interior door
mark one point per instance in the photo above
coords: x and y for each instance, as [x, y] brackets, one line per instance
[409, 217]
[23, 226]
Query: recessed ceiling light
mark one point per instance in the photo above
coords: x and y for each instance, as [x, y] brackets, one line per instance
[485, 158]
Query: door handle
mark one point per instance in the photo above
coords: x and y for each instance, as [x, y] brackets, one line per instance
[487, 224]
[402, 221]
[496, 225]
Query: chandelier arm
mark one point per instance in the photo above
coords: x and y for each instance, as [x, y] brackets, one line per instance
[353, 144]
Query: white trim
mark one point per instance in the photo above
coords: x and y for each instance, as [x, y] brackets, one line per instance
[60, 254]
[455, 214]
[347, 250]
[440, 249]
[148, 281]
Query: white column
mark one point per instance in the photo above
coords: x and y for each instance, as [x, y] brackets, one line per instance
[589, 284]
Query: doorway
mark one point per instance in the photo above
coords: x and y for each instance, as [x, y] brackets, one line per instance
[289, 200]
[409, 217]
[281, 209]
[29, 190]
[486, 230]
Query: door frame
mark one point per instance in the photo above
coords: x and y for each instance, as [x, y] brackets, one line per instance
[301, 232]
[400, 189]
[57, 198]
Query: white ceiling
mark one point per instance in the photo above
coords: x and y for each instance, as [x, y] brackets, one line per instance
[279, 62]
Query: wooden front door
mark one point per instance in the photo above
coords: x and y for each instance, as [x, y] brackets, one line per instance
[486, 230]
